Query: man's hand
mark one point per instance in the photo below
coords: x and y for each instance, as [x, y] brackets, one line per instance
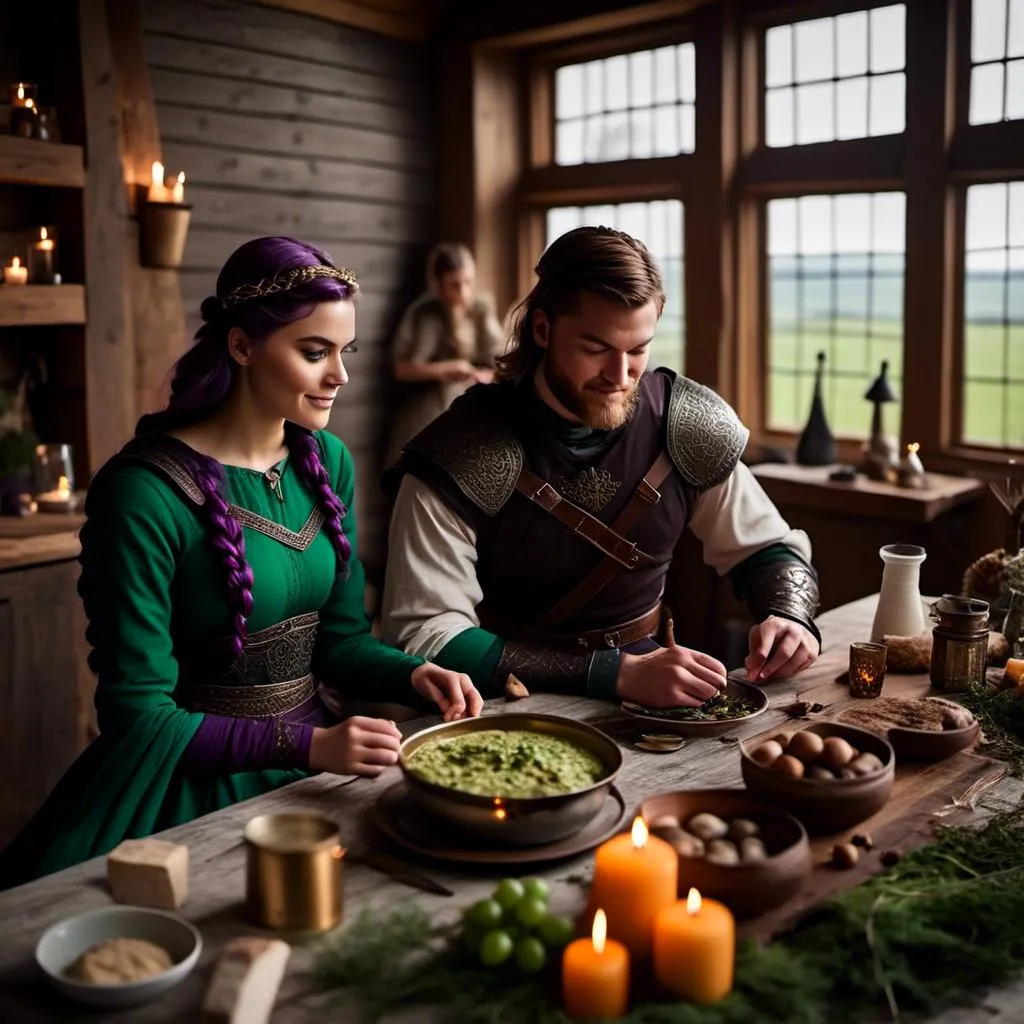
[779, 648]
[453, 692]
[671, 677]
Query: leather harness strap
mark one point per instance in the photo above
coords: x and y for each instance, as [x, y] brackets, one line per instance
[644, 497]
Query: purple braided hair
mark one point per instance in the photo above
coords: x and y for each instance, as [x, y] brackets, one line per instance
[203, 377]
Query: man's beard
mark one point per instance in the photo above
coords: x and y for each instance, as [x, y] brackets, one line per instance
[593, 409]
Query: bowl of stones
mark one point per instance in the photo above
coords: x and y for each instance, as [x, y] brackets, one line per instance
[750, 856]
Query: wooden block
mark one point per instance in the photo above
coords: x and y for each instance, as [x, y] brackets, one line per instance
[149, 873]
[245, 980]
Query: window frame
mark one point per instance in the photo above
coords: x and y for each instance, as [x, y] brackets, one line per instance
[728, 179]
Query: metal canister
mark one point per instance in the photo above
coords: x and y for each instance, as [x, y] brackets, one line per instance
[959, 643]
[293, 872]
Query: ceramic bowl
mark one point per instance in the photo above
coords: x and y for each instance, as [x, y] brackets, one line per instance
[932, 744]
[746, 889]
[825, 806]
[515, 821]
[658, 718]
[63, 943]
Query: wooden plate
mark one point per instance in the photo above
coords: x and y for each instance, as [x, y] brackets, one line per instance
[405, 822]
[737, 688]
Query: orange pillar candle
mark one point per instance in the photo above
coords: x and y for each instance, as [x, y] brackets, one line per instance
[635, 876]
[595, 975]
[695, 949]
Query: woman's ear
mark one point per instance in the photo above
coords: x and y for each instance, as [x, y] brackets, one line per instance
[239, 346]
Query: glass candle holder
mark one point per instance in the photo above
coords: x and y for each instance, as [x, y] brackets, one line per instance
[53, 477]
[24, 118]
[867, 669]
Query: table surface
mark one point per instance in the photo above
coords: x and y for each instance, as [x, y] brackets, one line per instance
[217, 855]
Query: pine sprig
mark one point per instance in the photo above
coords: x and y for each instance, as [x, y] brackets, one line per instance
[1002, 721]
[944, 922]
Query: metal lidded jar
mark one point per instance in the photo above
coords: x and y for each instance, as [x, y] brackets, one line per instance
[959, 643]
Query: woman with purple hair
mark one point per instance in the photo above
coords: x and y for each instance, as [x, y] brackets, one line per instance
[221, 583]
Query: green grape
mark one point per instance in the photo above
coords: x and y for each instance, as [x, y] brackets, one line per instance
[536, 889]
[508, 892]
[495, 948]
[485, 913]
[556, 931]
[531, 912]
[530, 954]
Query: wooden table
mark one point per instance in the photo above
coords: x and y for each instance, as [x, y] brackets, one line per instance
[217, 857]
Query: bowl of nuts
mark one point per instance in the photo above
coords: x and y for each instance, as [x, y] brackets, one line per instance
[830, 776]
[731, 847]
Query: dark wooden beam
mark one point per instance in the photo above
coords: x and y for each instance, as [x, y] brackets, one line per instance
[657, 178]
[932, 243]
[844, 166]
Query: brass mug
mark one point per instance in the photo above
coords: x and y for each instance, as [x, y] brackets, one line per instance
[293, 873]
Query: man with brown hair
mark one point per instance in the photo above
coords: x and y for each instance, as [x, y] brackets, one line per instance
[535, 520]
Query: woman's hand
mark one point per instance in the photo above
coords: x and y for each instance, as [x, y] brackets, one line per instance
[453, 692]
[458, 370]
[357, 746]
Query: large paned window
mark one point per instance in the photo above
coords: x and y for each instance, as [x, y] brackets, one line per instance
[997, 61]
[835, 285]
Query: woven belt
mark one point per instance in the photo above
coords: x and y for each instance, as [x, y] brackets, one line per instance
[267, 701]
[645, 625]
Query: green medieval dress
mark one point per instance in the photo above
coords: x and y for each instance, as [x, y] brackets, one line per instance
[155, 595]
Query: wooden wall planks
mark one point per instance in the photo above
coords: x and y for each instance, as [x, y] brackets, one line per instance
[285, 124]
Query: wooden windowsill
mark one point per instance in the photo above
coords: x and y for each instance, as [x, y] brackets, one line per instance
[809, 487]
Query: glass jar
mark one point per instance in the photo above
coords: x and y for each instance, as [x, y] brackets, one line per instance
[959, 643]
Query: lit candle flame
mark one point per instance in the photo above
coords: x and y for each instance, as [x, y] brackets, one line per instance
[181, 177]
[639, 833]
[21, 92]
[693, 902]
[63, 486]
[42, 234]
[16, 262]
[912, 448]
[30, 104]
[158, 173]
[599, 935]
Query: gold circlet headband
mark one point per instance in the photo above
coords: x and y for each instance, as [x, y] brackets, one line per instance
[285, 282]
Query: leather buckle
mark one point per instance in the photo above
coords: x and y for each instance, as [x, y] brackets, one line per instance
[546, 496]
[612, 639]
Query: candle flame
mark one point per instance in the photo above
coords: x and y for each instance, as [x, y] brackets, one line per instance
[501, 814]
[181, 177]
[912, 448]
[16, 262]
[63, 486]
[43, 235]
[21, 92]
[158, 173]
[30, 104]
[599, 935]
[693, 902]
[639, 833]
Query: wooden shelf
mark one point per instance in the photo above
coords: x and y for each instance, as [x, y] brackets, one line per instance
[36, 305]
[31, 162]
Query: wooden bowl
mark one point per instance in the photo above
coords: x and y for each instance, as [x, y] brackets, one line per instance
[746, 889]
[825, 806]
[929, 744]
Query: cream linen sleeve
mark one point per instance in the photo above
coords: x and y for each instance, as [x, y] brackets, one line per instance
[736, 519]
[430, 590]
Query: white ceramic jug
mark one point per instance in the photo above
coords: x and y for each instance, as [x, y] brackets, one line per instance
[900, 609]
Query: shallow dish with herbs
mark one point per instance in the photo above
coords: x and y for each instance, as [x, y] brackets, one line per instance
[738, 702]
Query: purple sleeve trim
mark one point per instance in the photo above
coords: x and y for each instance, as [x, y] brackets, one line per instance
[223, 745]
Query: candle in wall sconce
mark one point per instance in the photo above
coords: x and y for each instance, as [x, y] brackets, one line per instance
[16, 273]
[164, 218]
[42, 258]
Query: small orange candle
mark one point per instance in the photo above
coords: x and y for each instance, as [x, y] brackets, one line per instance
[695, 949]
[635, 876]
[595, 975]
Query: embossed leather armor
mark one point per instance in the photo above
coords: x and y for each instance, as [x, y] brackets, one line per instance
[788, 589]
